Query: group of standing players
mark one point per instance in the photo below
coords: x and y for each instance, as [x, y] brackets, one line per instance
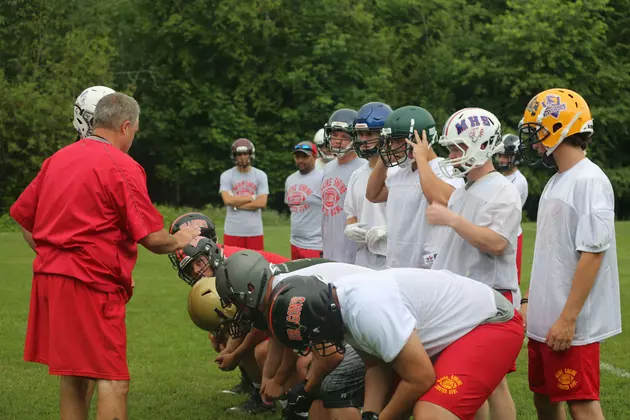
[417, 280]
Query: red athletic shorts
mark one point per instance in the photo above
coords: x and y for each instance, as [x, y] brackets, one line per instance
[255, 243]
[467, 375]
[75, 330]
[519, 256]
[567, 375]
[299, 253]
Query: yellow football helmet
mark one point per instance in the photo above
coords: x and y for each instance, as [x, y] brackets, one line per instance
[205, 308]
[553, 115]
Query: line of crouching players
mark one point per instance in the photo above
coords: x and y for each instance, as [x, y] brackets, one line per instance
[414, 308]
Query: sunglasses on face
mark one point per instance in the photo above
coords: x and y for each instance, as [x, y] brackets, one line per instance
[303, 147]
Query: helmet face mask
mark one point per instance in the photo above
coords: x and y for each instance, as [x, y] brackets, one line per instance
[366, 142]
[400, 126]
[199, 259]
[508, 156]
[367, 127]
[322, 148]
[243, 153]
[338, 131]
[395, 151]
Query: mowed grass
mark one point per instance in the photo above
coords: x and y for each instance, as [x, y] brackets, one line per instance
[170, 359]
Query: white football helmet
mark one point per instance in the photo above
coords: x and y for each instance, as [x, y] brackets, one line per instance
[320, 142]
[84, 107]
[476, 129]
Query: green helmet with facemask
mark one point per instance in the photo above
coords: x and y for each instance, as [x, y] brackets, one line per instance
[399, 126]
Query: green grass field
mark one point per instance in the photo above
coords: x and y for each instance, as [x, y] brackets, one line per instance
[170, 360]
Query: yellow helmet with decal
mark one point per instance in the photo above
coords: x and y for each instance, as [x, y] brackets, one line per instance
[552, 116]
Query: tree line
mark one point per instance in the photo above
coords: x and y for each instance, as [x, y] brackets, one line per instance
[206, 72]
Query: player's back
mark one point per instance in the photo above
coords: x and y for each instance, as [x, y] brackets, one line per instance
[445, 306]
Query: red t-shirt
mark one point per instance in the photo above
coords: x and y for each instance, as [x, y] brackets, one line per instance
[269, 256]
[87, 209]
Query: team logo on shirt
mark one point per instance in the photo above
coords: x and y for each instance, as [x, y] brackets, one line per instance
[448, 384]
[296, 197]
[294, 314]
[332, 190]
[242, 188]
[566, 379]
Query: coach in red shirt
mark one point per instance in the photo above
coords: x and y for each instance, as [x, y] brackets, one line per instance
[83, 215]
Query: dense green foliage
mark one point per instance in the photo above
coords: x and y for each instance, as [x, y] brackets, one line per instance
[206, 72]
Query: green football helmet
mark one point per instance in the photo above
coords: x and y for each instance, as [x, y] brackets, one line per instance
[399, 126]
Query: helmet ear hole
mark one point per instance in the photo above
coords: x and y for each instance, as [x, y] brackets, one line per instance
[251, 288]
[557, 126]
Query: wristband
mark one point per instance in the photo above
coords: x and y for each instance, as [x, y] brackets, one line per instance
[524, 300]
[369, 415]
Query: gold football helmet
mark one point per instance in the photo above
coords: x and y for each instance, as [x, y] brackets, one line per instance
[205, 308]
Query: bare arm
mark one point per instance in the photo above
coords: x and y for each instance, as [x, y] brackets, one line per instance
[378, 377]
[287, 366]
[259, 203]
[413, 382]
[274, 358]
[482, 238]
[583, 280]
[351, 220]
[28, 237]
[161, 242]
[434, 189]
[235, 200]
[320, 367]
[377, 191]
[251, 340]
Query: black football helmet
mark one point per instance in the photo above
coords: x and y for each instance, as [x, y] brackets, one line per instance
[200, 249]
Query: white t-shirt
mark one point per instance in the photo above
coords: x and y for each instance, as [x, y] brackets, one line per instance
[493, 202]
[381, 309]
[244, 222]
[575, 214]
[330, 272]
[411, 240]
[337, 246]
[304, 198]
[372, 214]
[520, 182]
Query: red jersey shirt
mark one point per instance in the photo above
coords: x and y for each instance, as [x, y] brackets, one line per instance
[269, 256]
[87, 209]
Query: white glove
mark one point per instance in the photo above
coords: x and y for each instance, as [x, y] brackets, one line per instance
[356, 232]
[376, 239]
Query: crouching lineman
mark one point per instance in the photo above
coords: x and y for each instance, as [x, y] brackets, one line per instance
[246, 349]
[247, 280]
[428, 333]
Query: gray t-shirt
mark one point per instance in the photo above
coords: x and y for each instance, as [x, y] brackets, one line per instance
[304, 198]
[244, 222]
[337, 246]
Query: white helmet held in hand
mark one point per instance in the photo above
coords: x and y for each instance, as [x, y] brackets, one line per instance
[84, 107]
[474, 132]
